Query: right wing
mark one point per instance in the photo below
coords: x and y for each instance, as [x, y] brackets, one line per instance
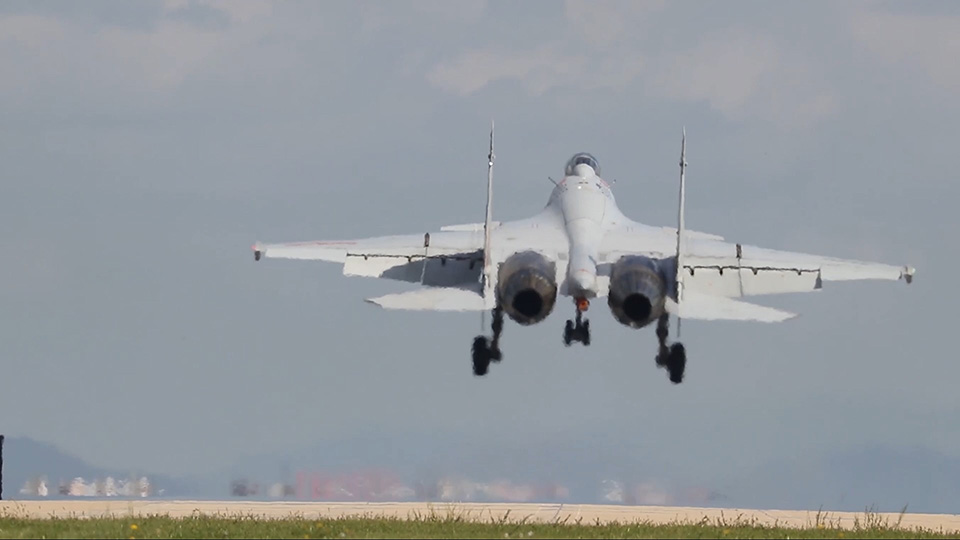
[719, 268]
[735, 270]
[716, 273]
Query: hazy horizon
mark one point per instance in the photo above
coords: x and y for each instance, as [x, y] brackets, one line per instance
[146, 146]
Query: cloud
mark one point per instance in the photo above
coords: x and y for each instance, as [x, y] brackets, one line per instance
[597, 51]
[163, 58]
[538, 69]
[744, 75]
[604, 24]
[29, 31]
[740, 74]
[44, 49]
[927, 44]
[376, 17]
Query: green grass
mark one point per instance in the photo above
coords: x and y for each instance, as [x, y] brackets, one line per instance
[423, 527]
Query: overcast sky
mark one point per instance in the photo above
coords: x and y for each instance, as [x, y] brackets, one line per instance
[144, 146]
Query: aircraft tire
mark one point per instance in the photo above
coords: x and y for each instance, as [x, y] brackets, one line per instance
[481, 356]
[677, 362]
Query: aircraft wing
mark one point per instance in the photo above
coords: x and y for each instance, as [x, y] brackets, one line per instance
[448, 262]
[735, 270]
[715, 272]
[727, 269]
[707, 307]
[444, 258]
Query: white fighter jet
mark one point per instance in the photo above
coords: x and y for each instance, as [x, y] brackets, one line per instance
[583, 247]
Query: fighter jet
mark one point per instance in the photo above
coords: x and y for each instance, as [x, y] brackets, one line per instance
[582, 247]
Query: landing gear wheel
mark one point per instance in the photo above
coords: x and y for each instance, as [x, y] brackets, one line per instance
[577, 331]
[485, 351]
[677, 362]
[674, 357]
[481, 356]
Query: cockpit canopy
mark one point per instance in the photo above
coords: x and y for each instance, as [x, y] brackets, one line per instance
[584, 158]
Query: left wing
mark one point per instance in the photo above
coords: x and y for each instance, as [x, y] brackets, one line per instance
[448, 262]
[440, 259]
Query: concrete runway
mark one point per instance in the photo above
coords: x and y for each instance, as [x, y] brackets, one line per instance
[587, 513]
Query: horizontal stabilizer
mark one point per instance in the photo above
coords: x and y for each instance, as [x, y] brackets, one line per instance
[718, 308]
[433, 299]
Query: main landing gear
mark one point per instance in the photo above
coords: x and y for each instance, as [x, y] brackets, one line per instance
[673, 358]
[579, 331]
[483, 351]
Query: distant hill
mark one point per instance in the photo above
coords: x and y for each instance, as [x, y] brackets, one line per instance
[27, 459]
[585, 464]
[882, 477]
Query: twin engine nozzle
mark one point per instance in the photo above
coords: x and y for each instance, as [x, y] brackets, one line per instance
[527, 289]
[637, 291]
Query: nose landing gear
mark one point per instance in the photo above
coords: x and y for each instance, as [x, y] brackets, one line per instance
[579, 330]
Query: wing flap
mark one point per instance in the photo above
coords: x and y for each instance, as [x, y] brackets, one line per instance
[334, 251]
[718, 308]
[735, 270]
[433, 299]
[732, 278]
[469, 227]
[436, 270]
[438, 259]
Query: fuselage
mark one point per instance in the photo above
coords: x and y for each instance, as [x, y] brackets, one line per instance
[587, 207]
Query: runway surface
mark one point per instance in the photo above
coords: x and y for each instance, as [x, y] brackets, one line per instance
[586, 513]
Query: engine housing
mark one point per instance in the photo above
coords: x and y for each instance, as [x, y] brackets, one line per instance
[527, 287]
[637, 291]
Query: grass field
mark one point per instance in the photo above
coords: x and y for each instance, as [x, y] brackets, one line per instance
[427, 527]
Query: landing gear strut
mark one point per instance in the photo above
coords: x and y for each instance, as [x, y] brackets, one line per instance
[483, 351]
[579, 331]
[673, 358]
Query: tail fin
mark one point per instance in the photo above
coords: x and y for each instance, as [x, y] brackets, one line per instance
[487, 224]
[681, 229]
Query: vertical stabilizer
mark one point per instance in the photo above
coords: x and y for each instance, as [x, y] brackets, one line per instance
[681, 229]
[487, 261]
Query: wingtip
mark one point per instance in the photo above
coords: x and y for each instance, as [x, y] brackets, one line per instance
[907, 274]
